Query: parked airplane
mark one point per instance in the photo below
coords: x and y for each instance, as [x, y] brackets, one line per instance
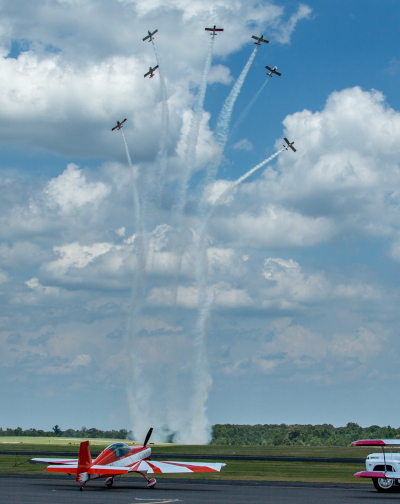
[272, 71]
[289, 144]
[119, 125]
[150, 35]
[260, 39]
[151, 72]
[213, 30]
[119, 458]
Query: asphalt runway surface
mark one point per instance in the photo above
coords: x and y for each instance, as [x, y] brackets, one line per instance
[60, 490]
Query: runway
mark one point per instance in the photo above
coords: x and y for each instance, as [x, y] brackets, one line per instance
[60, 490]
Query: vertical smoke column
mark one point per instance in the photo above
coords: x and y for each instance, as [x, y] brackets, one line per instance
[136, 393]
[193, 135]
[202, 376]
[189, 162]
[163, 152]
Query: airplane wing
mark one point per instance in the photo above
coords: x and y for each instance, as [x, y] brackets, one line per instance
[155, 68]
[170, 467]
[287, 141]
[255, 38]
[53, 461]
[145, 38]
[146, 74]
[376, 442]
[277, 73]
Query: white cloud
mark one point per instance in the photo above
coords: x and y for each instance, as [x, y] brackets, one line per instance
[70, 191]
[243, 145]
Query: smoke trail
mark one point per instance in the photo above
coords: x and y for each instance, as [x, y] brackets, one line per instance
[222, 128]
[189, 162]
[243, 115]
[137, 405]
[230, 189]
[203, 379]
[193, 135]
[163, 151]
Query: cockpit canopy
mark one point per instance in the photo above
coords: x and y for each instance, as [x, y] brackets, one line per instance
[119, 449]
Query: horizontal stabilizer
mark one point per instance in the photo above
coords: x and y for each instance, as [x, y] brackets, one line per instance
[53, 461]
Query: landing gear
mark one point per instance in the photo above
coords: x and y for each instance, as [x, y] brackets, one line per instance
[151, 483]
[109, 482]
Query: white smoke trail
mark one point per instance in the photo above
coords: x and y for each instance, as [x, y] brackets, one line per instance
[203, 379]
[136, 393]
[243, 115]
[222, 128]
[189, 162]
[163, 151]
[193, 135]
[230, 189]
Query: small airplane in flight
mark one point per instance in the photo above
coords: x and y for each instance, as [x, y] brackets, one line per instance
[260, 39]
[289, 144]
[213, 30]
[151, 72]
[272, 71]
[119, 458]
[150, 35]
[119, 125]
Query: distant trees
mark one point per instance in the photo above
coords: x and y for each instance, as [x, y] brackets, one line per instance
[69, 433]
[227, 434]
[298, 435]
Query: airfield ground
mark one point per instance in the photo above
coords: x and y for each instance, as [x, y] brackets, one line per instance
[307, 470]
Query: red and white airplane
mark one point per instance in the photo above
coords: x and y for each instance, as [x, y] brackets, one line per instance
[260, 39]
[119, 458]
[151, 72]
[213, 30]
[119, 125]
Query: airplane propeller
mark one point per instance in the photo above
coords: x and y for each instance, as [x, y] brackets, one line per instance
[148, 436]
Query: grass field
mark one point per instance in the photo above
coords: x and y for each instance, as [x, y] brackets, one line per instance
[17, 462]
[72, 445]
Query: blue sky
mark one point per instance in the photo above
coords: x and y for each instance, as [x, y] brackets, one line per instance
[281, 306]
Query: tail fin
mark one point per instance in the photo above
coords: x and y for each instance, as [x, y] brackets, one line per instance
[84, 462]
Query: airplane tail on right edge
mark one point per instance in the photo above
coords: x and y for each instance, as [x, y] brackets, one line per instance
[84, 462]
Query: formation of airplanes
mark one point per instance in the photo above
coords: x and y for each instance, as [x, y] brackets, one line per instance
[118, 459]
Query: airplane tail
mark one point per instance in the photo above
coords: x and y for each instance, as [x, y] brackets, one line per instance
[84, 462]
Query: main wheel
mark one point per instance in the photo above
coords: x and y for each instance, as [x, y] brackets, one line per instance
[385, 485]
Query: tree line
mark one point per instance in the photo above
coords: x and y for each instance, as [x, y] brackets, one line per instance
[69, 433]
[227, 434]
[298, 435]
